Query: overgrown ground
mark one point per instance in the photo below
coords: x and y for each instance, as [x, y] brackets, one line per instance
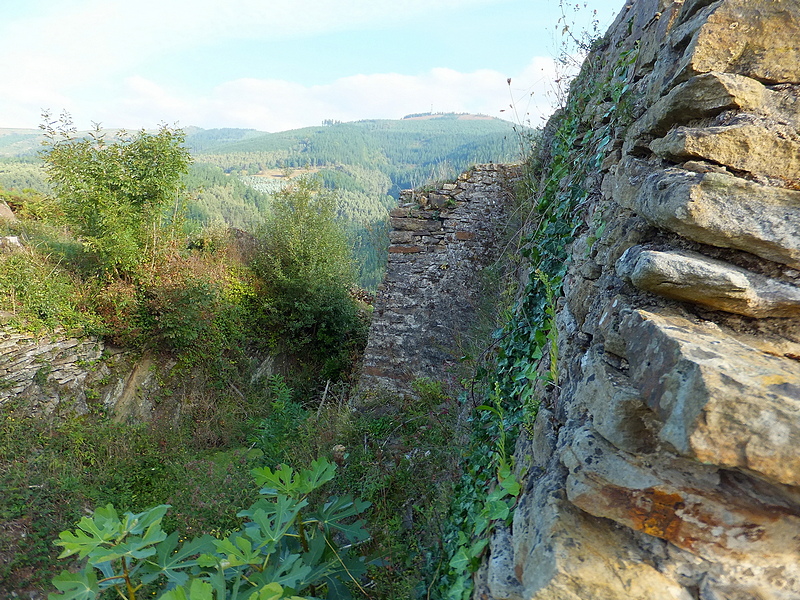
[203, 308]
[436, 467]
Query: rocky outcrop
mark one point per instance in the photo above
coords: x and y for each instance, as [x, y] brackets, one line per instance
[665, 464]
[61, 374]
[439, 242]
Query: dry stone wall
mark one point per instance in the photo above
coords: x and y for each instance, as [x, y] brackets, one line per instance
[666, 463]
[46, 369]
[58, 374]
[439, 242]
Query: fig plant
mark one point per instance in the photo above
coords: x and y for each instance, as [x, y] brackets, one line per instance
[285, 549]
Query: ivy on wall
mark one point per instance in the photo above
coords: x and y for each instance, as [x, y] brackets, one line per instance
[526, 363]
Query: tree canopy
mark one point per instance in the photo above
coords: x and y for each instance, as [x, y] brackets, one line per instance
[114, 194]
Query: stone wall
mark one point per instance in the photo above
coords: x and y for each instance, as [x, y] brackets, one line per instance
[439, 242]
[666, 463]
[48, 369]
[60, 374]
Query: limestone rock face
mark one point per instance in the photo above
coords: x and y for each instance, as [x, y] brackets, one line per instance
[563, 553]
[755, 38]
[6, 213]
[665, 462]
[702, 509]
[702, 96]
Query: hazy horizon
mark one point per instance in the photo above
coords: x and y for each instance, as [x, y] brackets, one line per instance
[275, 65]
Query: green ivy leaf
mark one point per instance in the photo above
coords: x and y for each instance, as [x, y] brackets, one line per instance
[460, 560]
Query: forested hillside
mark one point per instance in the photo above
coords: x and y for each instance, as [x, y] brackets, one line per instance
[367, 163]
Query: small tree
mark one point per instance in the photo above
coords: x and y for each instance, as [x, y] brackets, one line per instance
[114, 195]
[305, 264]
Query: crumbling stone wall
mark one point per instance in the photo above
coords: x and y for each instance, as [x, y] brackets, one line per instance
[439, 241]
[61, 374]
[666, 465]
[46, 369]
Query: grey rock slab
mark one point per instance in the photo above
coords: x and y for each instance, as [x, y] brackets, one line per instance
[714, 208]
[747, 537]
[702, 96]
[563, 553]
[693, 277]
[720, 401]
[749, 147]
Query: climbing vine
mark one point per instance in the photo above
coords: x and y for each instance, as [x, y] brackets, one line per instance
[526, 361]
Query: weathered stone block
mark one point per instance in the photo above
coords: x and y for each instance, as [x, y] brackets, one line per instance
[721, 401]
[405, 249]
[410, 224]
[712, 208]
[747, 534]
[616, 407]
[562, 553]
[748, 147]
[702, 96]
[692, 277]
[755, 38]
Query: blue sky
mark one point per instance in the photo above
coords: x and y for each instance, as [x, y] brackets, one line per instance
[280, 64]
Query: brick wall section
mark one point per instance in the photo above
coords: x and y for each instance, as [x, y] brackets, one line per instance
[439, 241]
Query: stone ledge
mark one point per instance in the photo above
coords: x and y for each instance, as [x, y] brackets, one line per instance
[692, 277]
[714, 208]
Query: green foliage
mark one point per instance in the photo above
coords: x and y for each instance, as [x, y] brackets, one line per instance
[51, 470]
[41, 295]
[20, 174]
[217, 197]
[114, 195]
[284, 548]
[520, 379]
[274, 434]
[305, 266]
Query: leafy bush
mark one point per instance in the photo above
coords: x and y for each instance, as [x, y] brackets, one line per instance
[305, 267]
[273, 434]
[113, 195]
[282, 550]
[40, 294]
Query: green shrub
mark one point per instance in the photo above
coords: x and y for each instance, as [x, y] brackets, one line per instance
[41, 294]
[284, 548]
[114, 195]
[305, 268]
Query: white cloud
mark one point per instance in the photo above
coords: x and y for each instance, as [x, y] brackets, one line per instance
[72, 42]
[276, 105]
[68, 54]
